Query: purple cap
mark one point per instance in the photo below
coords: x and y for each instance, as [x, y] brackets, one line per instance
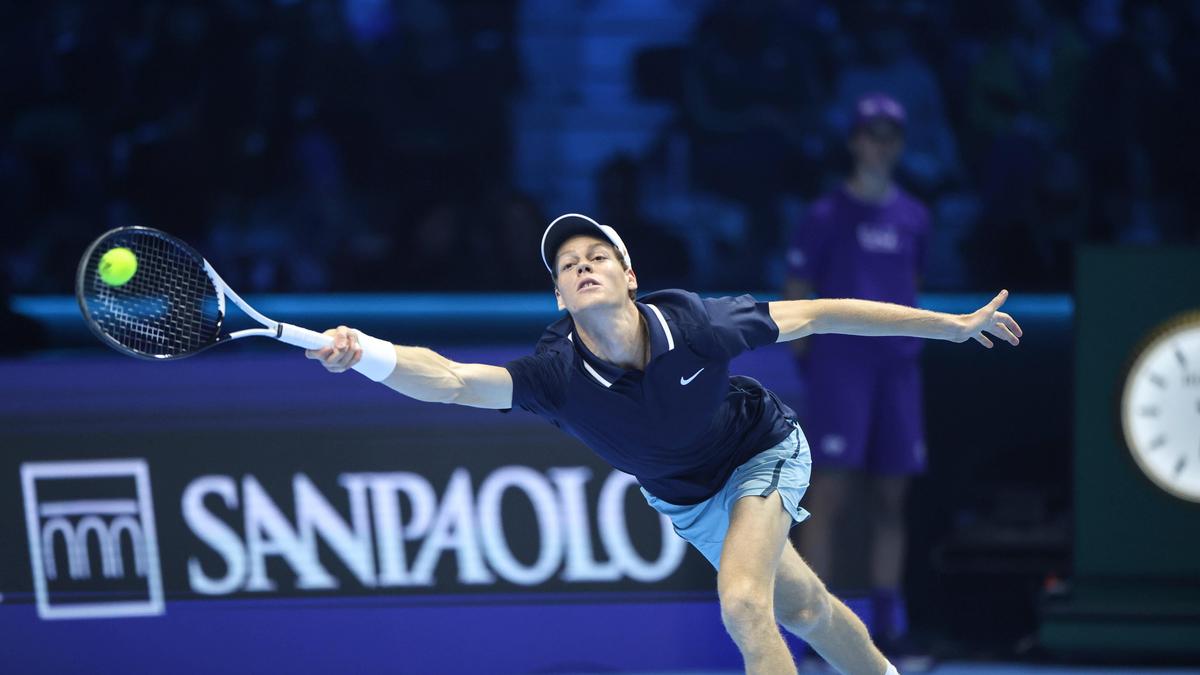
[878, 106]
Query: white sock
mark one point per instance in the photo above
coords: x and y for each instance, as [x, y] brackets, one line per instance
[891, 670]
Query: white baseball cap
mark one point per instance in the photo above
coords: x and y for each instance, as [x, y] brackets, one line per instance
[569, 225]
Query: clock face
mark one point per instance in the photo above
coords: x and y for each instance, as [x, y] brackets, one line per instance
[1160, 410]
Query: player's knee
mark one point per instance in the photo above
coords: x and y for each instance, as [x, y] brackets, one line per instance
[744, 607]
[800, 615]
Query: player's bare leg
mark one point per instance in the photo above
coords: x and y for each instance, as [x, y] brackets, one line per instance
[806, 609]
[758, 529]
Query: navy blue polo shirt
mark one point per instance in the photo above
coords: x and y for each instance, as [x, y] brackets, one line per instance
[683, 424]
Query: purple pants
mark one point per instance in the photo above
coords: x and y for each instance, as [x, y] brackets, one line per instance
[865, 414]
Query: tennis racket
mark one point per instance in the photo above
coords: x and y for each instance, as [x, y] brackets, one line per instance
[174, 305]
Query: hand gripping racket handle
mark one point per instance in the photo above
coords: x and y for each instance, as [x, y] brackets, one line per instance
[378, 359]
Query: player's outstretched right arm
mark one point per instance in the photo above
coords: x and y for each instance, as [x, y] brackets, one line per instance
[424, 374]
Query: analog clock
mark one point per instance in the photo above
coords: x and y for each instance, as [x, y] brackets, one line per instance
[1160, 407]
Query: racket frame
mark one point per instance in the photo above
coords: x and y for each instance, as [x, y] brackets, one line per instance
[379, 356]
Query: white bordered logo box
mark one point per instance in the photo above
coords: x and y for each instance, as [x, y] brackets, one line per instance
[91, 526]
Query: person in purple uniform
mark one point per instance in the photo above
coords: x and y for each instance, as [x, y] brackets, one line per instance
[864, 416]
[645, 383]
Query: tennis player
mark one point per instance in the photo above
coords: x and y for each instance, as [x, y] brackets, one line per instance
[646, 385]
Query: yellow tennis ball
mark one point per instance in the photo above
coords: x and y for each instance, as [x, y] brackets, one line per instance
[118, 266]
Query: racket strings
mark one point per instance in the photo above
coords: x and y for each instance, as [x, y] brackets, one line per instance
[168, 308]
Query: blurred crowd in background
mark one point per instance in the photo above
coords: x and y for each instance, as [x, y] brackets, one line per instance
[351, 145]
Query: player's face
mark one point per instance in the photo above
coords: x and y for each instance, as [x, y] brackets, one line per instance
[590, 275]
[877, 147]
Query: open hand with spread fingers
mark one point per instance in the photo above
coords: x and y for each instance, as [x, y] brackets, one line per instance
[989, 319]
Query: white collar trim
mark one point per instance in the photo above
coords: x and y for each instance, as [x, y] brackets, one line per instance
[666, 330]
[588, 367]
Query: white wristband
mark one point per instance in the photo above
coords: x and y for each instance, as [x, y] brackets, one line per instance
[378, 357]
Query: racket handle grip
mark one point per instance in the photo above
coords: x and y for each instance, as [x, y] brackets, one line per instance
[378, 358]
[302, 337]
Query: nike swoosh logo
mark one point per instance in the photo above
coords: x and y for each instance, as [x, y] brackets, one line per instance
[686, 382]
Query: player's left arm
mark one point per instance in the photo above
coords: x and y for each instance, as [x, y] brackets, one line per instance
[799, 318]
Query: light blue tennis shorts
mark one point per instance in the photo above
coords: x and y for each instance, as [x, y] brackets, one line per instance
[784, 468]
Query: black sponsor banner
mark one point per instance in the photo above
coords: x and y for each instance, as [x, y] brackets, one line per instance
[112, 509]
